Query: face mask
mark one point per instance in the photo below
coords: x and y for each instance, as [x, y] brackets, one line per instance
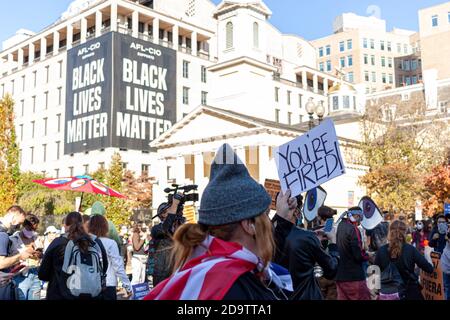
[28, 234]
[442, 227]
[419, 226]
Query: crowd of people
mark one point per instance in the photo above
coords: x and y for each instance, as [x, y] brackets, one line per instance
[266, 256]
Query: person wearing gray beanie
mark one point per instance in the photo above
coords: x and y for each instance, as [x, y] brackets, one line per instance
[233, 237]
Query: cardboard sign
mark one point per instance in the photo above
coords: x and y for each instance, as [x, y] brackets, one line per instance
[372, 214]
[140, 291]
[310, 160]
[433, 283]
[272, 187]
[315, 198]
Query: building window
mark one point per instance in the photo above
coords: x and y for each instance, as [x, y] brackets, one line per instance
[58, 120]
[448, 15]
[413, 65]
[366, 59]
[374, 77]
[56, 173]
[101, 165]
[408, 81]
[32, 129]
[372, 44]
[434, 21]
[47, 74]
[349, 44]
[34, 103]
[21, 132]
[86, 169]
[350, 77]
[145, 169]
[289, 97]
[277, 115]
[321, 52]
[321, 66]
[60, 63]
[328, 50]
[255, 35]
[365, 43]
[22, 107]
[203, 74]
[390, 62]
[32, 154]
[391, 78]
[185, 95]
[204, 98]
[185, 69]
[342, 46]
[46, 100]
[23, 83]
[335, 103]
[389, 46]
[290, 118]
[300, 118]
[382, 47]
[58, 144]
[383, 61]
[372, 59]
[3, 91]
[329, 65]
[71, 171]
[59, 96]
[383, 77]
[350, 61]
[44, 152]
[34, 79]
[342, 62]
[229, 35]
[277, 94]
[405, 49]
[300, 101]
[12, 86]
[346, 102]
[406, 65]
[414, 79]
[45, 127]
[366, 75]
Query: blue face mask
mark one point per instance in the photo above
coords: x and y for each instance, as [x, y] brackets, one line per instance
[442, 227]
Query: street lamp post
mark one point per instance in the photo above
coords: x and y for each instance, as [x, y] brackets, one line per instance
[310, 108]
[320, 111]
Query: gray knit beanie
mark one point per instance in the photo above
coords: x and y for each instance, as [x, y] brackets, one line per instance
[231, 195]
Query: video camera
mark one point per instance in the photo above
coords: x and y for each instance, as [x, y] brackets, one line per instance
[188, 194]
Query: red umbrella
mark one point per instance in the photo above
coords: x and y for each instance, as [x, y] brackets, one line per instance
[80, 184]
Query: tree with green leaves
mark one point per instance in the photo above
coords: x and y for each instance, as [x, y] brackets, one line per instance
[9, 155]
[117, 209]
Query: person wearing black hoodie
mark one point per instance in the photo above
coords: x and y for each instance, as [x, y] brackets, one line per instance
[351, 276]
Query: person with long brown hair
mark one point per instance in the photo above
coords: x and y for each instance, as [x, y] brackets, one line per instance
[227, 254]
[51, 268]
[404, 257]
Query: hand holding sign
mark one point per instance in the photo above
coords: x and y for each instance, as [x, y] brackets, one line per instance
[310, 160]
[286, 205]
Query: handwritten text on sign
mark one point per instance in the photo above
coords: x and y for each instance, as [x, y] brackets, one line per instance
[310, 160]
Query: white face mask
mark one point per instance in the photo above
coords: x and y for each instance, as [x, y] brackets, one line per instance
[419, 226]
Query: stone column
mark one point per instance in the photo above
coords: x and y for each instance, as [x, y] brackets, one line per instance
[55, 43]
[175, 34]
[198, 168]
[194, 43]
[43, 48]
[83, 30]
[69, 38]
[135, 24]
[20, 58]
[114, 17]
[263, 163]
[31, 54]
[180, 172]
[98, 23]
[156, 30]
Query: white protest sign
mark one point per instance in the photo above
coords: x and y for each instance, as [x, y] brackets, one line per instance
[310, 160]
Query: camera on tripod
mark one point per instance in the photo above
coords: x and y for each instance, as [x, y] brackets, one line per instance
[189, 194]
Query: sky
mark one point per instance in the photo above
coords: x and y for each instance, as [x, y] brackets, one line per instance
[309, 19]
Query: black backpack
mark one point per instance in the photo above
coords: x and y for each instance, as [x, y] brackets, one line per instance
[391, 280]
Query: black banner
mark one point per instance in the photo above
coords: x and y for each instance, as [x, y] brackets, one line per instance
[121, 92]
[144, 92]
[88, 96]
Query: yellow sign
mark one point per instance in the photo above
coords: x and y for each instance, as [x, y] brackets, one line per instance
[189, 214]
[433, 283]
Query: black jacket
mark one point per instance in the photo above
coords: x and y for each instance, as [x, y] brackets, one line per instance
[162, 243]
[438, 244]
[51, 269]
[299, 251]
[351, 253]
[249, 287]
[406, 263]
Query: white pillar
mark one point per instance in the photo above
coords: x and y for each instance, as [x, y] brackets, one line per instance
[183, 41]
[146, 28]
[98, 23]
[43, 48]
[175, 35]
[156, 30]
[135, 24]
[325, 86]
[20, 58]
[162, 173]
[114, 17]
[198, 168]
[263, 163]
[83, 30]
[180, 173]
[55, 43]
[304, 80]
[69, 38]
[194, 43]
[316, 83]
[31, 54]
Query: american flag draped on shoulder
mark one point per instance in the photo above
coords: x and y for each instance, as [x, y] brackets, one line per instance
[211, 271]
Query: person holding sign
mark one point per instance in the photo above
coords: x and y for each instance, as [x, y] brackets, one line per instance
[438, 236]
[401, 257]
[351, 275]
[302, 250]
